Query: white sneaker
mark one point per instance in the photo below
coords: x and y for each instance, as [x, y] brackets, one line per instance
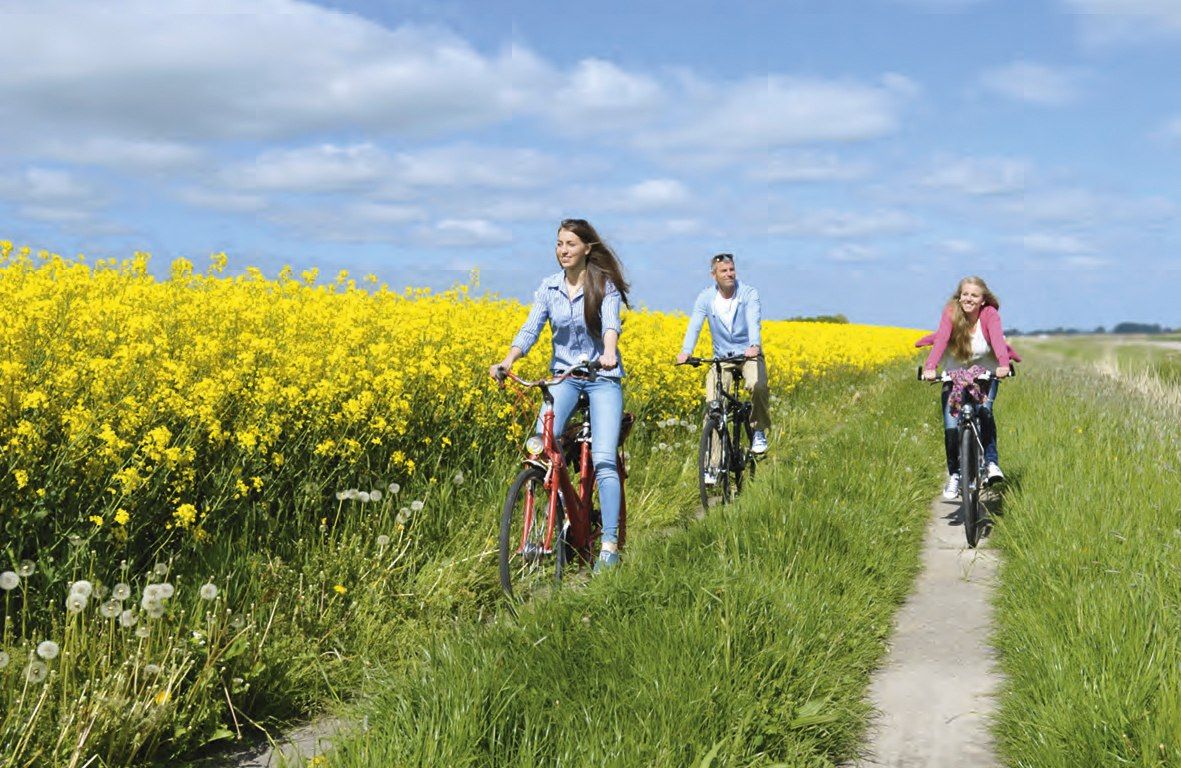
[758, 442]
[709, 476]
[995, 475]
[952, 488]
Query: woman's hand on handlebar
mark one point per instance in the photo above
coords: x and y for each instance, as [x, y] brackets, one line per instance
[498, 370]
[682, 358]
[608, 360]
[928, 374]
[1002, 371]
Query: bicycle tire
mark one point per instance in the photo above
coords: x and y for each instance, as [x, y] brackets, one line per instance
[740, 452]
[524, 560]
[712, 434]
[970, 486]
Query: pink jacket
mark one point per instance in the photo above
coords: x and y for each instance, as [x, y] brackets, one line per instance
[990, 321]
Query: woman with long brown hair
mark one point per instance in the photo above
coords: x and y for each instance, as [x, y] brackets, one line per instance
[970, 334]
[582, 304]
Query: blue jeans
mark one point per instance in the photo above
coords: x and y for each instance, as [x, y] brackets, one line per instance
[987, 427]
[606, 413]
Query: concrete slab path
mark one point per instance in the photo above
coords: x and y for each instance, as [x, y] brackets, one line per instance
[935, 694]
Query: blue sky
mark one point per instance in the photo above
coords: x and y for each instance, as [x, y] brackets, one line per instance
[857, 157]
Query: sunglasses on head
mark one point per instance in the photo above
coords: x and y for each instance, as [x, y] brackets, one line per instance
[723, 257]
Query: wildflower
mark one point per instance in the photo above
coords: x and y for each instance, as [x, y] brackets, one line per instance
[352, 494]
[375, 495]
[76, 602]
[122, 517]
[162, 697]
[208, 591]
[363, 496]
[458, 479]
[403, 515]
[416, 506]
[152, 669]
[36, 672]
[27, 568]
[97, 520]
[383, 541]
[342, 495]
[154, 610]
[127, 619]
[82, 587]
[121, 591]
[4, 659]
[160, 569]
[9, 581]
[237, 621]
[142, 632]
[48, 650]
[109, 609]
[394, 487]
[340, 589]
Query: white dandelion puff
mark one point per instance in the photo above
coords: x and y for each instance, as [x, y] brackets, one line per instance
[154, 610]
[403, 516]
[458, 479]
[363, 496]
[36, 672]
[151, 594]
[27, 568]
[165, 590]
[161, 569]
[342, 495]
[352, 493]
[394, 487]
[208, 591]
[152, 669]
[76, 602]
[121, 591]
[4, 659]
[383, 541]
[375, 494]
[142, 632]
[9, 581]
[237, 621]
[109, 609]
[128, 619]
[48, 650]
[82, 587]
[416, 506]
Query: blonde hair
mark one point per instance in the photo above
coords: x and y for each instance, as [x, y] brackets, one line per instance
[960, 343]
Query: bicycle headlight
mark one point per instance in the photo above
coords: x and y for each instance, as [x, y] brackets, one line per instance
[534, 445]
[968, 409]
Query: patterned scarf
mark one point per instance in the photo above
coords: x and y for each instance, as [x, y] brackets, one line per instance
[963, 381]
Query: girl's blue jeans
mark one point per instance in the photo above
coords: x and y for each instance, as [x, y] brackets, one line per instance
[606, 413]
[987, 427]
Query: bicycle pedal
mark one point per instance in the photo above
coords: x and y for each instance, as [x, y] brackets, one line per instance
[533, 553]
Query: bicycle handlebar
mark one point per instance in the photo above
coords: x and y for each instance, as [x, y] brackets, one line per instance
[696, 361]
[944, 376]
[582, 370]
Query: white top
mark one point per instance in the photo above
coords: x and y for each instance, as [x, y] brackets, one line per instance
[981, 354]
[725, 308]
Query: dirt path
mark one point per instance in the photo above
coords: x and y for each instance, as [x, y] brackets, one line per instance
[935, 694]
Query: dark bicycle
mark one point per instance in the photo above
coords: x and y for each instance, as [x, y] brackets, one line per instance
[973, 466]
[724, 454]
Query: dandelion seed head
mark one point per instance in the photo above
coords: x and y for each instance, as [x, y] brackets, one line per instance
[375, 495]
[394, 487]
[9, 581]
[165, 590]
[363, 496]
[154, 610]
[160, 569]
[128, 619]
[76, 602]
[48, 650]
[82, 587]
[458, 479]
[208, 591]
[109, 609]
[416, 506]
[352, 493]
[152, 669]
[36, 672]
[237, 621]
[121, 591]
[341, 495]
[142, 631]
[4, 659]
[27, 568]
[383, 541]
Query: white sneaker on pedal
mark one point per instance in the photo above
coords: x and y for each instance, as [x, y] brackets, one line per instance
[758, 442]
[951, 489]
[709, 476]
[995, 475]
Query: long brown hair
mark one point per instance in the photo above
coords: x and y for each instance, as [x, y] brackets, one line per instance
[601, 265]
[961, 327]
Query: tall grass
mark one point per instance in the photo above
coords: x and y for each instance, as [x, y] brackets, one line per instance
[746, 639]
[1089, 602]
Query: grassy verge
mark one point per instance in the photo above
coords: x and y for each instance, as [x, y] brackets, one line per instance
[1090, 587]
[745, 639]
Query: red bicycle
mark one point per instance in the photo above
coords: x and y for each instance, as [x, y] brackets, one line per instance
[549, 519]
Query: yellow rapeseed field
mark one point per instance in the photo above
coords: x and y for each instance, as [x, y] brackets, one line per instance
[139, 408]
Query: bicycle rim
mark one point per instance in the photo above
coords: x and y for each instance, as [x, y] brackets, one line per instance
[526, 564]
[969, 487]
[711, 441]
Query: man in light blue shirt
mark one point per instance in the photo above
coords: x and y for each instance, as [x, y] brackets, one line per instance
[735, 318]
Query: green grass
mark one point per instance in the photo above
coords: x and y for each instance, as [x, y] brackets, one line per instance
[1089, 602]
[744, 639]
[1144, 356]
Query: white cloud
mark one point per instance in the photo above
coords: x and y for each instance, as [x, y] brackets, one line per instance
[1126, 21]
[765, 113]
[468, 165]
[808, 167]
[464, 233]
[323, 168]
[1045, 242]
[1170, 132]
[222, 200]
[957, 246]
[844, 224]
[1084, 262]
[654, 194]
[979, 176]
[1034, 83]
[1085, 207]
[853, 253]
[599, 94]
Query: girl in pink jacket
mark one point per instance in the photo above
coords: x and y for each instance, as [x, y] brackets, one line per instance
[970, 334]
